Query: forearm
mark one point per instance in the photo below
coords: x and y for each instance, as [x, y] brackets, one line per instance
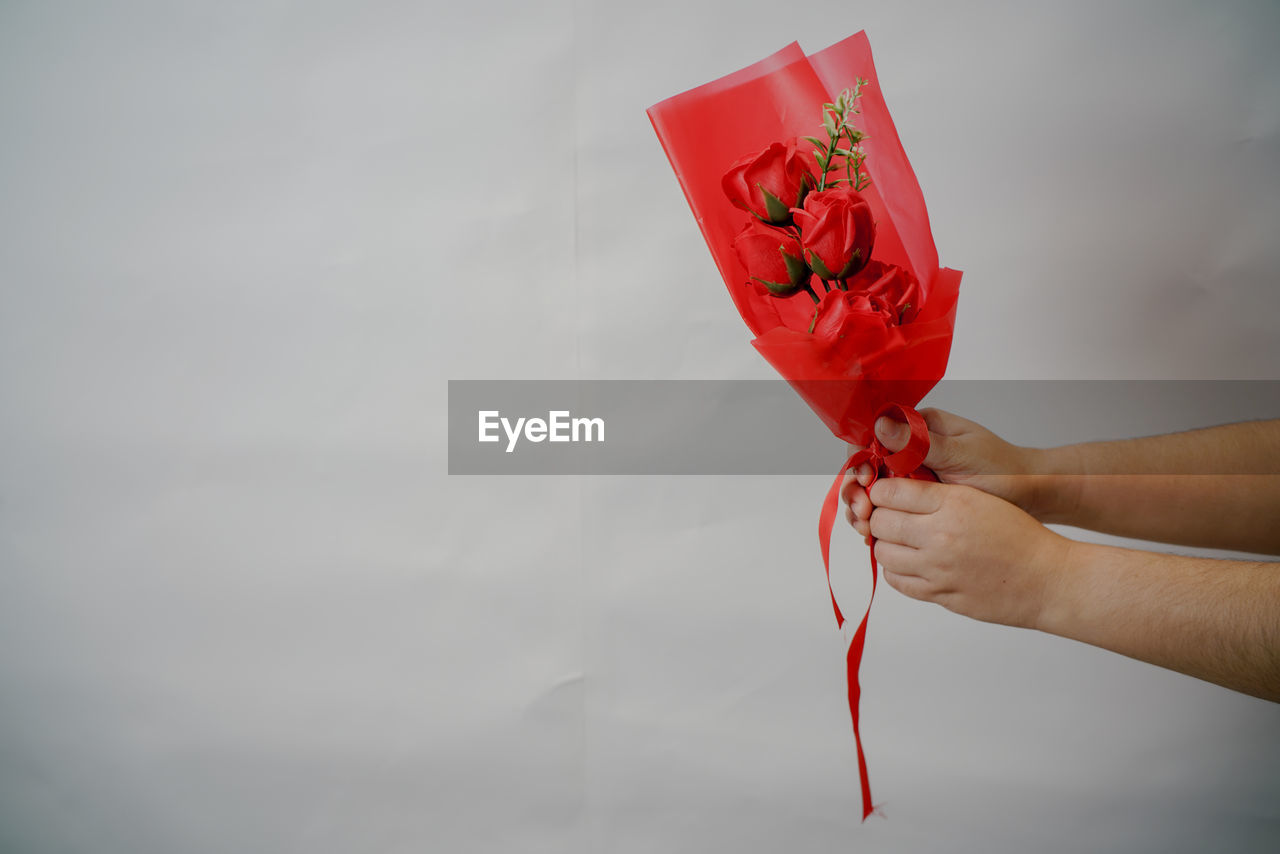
[1218, 487]
[1213, 619]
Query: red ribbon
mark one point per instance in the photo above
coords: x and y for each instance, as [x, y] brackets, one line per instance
[884, 463]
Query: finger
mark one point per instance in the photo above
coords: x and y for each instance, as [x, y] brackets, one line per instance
[913, 496]
[862, 526]
[902, 560]
[859, 514]
[861, 506]
[942, 425]
[855, 483]
[910, 585]
[850, 488]
[895, 526]
[936, 420]
[855, 499]
[945, 423]
[892, 434]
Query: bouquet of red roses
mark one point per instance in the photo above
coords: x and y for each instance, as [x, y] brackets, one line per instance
[815, 219]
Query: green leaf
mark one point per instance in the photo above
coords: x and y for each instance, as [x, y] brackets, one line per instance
[816, 141]
[829, 123]
[776, 209]
[816, 265]
[778, 289]
[797, 270]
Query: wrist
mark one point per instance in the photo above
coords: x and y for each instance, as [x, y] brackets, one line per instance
[1049, 492]
[1063, 572]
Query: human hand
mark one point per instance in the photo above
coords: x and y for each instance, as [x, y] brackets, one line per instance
[960, 451]
[966, 550]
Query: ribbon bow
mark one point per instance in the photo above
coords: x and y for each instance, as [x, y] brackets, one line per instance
[908, 462]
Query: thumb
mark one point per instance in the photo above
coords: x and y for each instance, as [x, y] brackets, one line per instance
[894, 435]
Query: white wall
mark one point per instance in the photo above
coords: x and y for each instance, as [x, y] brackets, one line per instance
[243, 246]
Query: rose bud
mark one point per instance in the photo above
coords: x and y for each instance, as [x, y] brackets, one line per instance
[773, 258]
[771, 183]
[837, 232]
[891, 285]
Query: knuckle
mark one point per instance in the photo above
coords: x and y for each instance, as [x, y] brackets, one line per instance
[884, 491]
[945, 540]
[898, 582]
[953, 510]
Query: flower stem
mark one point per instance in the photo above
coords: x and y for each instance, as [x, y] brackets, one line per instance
[838, 127]
[849, 160]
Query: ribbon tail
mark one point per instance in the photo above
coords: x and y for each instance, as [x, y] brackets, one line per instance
[827, 523]
[853, 661]
[907, 462]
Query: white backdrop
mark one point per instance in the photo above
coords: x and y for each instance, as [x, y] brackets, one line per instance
[243, 607]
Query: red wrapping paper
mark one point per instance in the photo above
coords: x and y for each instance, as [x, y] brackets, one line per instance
[851, 374]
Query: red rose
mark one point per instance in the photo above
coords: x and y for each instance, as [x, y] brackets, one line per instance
[842, 312]
[773, 258]
[837, 232]
[770, 183]
[892, 286]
